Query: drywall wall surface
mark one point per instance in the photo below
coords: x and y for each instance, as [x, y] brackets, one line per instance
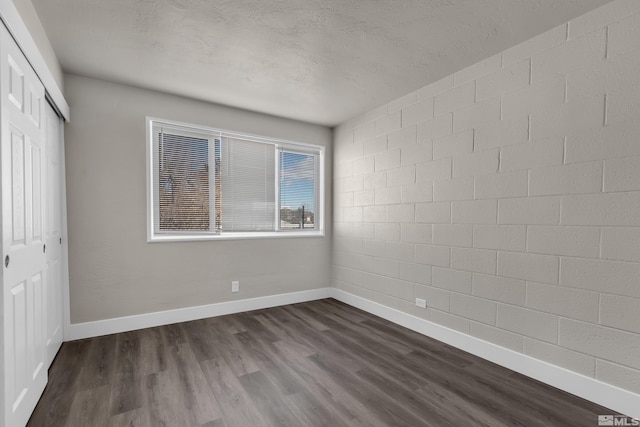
[507, 195]
[114, 272]
[32, 21]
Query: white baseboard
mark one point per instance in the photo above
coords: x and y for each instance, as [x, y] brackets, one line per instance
[617, 399]
[77, 331]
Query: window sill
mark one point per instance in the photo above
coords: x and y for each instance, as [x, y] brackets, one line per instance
[234, 236]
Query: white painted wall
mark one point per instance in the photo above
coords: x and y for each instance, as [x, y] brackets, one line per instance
[114, 272]
[508, 196]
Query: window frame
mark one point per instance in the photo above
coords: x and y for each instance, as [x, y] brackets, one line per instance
[212, 134]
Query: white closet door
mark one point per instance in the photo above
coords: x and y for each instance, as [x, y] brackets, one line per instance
[53, 232]
[23, 238]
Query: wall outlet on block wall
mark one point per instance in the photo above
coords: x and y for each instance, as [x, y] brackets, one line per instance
[235, 286]
[421, 302]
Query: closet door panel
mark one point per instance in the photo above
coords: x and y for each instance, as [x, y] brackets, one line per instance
[23, 246]
[53, 221]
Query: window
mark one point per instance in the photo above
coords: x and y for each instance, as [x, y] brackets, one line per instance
[297, 190]
[210, 184]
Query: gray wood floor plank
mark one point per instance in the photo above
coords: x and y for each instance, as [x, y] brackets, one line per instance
[459, 411]
[320, 341]
[374, 356]
[163, 400]
[290, 351]
[306, 407]
[290, 339]
[350, 409]
[383, 408]
[135, 418]
[235, 404]
[173, 334]
[126, 392]
[99, 364]
[406, 398]
[90, 407]
[270, 363]
[153, 354]
[217, 423]
[334, 307]
[195, 394]
[309, 320]
[239, 360]
[230, 324]
[200, 339]
[268, 400]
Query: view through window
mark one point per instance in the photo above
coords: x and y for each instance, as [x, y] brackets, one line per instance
[297, 190]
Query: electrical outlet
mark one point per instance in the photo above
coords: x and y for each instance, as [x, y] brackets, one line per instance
[421, 302]
[235, 286]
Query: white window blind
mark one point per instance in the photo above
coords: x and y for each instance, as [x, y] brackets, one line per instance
[185, 198]
[248, 185]
[208, 183]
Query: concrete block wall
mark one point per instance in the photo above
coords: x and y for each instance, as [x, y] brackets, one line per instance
[508, 196]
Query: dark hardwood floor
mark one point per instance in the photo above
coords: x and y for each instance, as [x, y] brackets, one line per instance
[321, 363]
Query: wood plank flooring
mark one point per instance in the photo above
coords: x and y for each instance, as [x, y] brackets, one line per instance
[321, 363]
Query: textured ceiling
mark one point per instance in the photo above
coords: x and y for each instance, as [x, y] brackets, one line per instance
[321, 61]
